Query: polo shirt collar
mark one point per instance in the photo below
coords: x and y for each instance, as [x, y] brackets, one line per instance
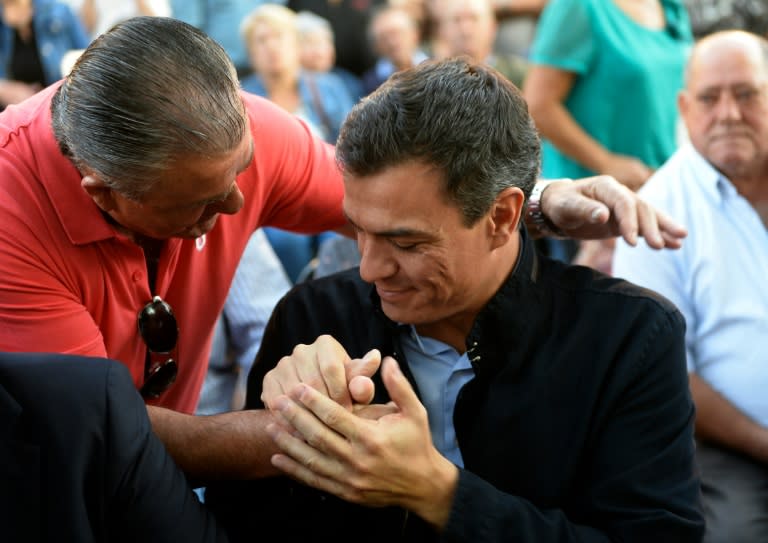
[712, 182]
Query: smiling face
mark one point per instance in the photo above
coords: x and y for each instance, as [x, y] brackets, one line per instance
[428, 267]
[725, 104]
[187, 201]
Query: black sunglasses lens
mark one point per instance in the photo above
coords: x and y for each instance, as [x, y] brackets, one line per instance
[159, 381]
[158, 327]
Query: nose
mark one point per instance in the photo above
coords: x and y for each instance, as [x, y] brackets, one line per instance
[375, 261]
[728, 108]
[230, 205]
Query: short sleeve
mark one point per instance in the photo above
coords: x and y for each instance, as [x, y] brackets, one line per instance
[564, 36]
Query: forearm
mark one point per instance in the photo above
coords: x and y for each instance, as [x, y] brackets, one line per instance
[721, 422]
[557, 125]
[228, 446]
[504, 8]
[435, 503]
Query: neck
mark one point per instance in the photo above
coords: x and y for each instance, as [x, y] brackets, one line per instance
[755, 191]
[281, 82]
[24, 32]
[150, 246]
[751, 182]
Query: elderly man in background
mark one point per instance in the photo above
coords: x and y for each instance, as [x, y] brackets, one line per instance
[718, 186]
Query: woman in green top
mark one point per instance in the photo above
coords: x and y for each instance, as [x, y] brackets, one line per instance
[603, 85]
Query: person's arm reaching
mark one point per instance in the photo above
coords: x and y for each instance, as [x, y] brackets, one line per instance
[600, 207]
[208, 448]
[236, 445]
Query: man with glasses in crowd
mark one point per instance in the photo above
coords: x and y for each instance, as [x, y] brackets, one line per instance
[131, 189]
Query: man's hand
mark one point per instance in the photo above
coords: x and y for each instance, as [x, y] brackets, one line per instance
[389, 460]
[325, 366]
[600, 207]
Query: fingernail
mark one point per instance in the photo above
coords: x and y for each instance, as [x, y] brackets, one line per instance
[595, 215]
[370, 355]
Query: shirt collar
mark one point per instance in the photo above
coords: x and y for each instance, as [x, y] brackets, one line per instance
[712, 182]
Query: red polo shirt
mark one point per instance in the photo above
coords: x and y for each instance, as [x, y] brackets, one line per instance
[70, 283]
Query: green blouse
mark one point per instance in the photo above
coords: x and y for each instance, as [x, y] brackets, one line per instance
[627, 77]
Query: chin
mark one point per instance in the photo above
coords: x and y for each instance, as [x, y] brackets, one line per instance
[199, 229]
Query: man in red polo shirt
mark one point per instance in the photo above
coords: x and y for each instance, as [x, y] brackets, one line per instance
[129, 191]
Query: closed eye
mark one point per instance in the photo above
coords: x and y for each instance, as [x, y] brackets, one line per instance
[404, 245]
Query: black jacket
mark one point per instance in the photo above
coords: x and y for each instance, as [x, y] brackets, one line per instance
[577, 427]
[79, 462]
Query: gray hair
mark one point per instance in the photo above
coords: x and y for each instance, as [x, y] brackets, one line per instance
[308, 23]
[462, 117]
[149, 91]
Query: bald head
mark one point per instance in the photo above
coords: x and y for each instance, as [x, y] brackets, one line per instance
[726, 43]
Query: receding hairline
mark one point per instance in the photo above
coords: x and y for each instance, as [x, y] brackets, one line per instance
[747, 42]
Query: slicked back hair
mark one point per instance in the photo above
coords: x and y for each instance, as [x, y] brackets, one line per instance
[149, 91]
[464, 118]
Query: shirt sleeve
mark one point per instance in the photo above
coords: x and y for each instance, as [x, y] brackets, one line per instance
[39, 307]
[294, 172]
[565, 36]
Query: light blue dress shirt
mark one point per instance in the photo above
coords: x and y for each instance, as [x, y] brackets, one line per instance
[440, 372]
[717, 279]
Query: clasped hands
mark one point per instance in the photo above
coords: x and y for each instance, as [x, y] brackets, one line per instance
[334, 440]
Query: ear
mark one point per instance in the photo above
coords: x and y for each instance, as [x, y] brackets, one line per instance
[684, 104]
[99, 192]
[506, 213]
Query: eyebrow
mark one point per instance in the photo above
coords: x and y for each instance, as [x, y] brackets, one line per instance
[393, 233]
